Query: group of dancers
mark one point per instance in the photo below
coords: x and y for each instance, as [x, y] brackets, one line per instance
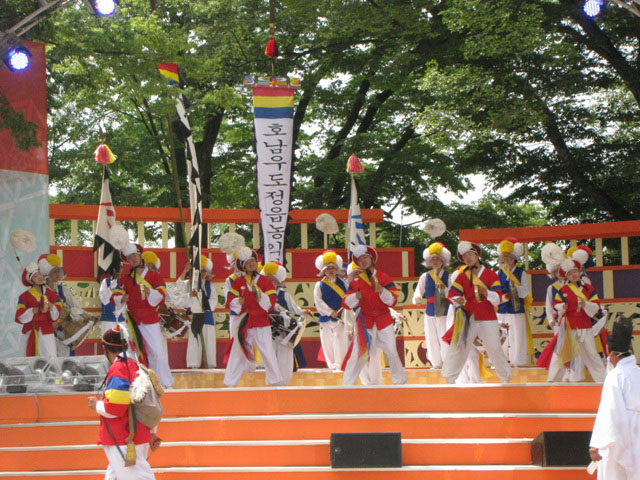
[469, 312]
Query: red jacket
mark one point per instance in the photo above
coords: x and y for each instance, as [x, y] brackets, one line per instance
[374, 310]
[577, 319]
[462, 286]
[41, 321]
[140, 309]
[116, 404]
[258, 316]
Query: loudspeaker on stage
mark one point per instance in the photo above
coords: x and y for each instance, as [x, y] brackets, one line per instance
[561, 448]
[362, 450]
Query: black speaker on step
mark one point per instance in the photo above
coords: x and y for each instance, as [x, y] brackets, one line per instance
[362, 450]
[561, 448]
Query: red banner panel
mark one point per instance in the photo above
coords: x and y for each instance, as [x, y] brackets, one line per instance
[26, 92]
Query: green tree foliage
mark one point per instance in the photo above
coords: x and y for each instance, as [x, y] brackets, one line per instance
[531, 94]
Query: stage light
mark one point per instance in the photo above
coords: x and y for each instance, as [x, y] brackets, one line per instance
[593, 8]
[14, 54]
[105, 8]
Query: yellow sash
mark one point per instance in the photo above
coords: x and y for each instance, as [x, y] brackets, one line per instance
[36, 294]
[334, 286]
[364, 277]
[437, 280]
[141, 281]
[578, 293]
[475, 280]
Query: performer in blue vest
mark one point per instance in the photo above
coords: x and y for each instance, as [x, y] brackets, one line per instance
[108, 310]
[514, 283]
[432, 287]
[328, 294]
[290, 320]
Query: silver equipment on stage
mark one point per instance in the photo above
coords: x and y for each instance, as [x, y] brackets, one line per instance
[53, 374]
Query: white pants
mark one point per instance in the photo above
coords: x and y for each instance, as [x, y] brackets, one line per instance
[116, 469]
[471, 371]
[385, 340]
[46, 344]
[238, 363]
[335, 343]
[434, 329]
[371, 373]
[194, 347]
[515, 348]
[284, 355]
[489, 333]
[589, 356]
[156, 346]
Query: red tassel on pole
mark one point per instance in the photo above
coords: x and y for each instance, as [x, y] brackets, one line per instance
[354, 165]
[104, 155]
[272, 48]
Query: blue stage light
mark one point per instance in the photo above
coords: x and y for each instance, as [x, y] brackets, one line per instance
[593, 8]
[18, 59]
[105, 7]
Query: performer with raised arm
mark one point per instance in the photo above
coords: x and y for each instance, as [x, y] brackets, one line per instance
[117, 427]
[576, 303]
[328, 294]
[511, 311]
[477, 290]
[372, 292]
[433, 287]
[37, 310]
[108, 313]
[143, 290]
[252, 296]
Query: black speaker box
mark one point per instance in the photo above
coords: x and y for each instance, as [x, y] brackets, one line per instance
[362, 450]
[561, 448]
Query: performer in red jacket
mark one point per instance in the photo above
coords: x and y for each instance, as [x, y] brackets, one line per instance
[475, 293]
[252, 296]
[143, 290]
[37, 310]
[576, 303]
[370, 295]
[113, 407]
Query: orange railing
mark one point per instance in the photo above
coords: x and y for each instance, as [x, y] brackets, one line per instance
[231, 217]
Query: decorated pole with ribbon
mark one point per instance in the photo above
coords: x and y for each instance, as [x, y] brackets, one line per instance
[108, 254]
[356, 226]
[195, 204]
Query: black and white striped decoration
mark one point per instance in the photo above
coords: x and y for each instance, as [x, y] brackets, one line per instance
[195, 204]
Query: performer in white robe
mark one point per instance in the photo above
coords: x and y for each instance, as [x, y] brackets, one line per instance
[615, 441]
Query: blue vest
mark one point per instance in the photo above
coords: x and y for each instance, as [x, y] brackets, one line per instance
[430, 291]
[331, 298]
[282, 301]
[507, 307]
[60, 293]
[107, 313]
[208, 314]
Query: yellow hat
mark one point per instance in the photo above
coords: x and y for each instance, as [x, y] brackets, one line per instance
[151, 258]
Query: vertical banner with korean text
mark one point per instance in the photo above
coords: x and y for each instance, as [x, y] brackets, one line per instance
[273, 117]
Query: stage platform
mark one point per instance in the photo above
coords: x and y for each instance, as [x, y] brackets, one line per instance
[212, 378]
[467, 432]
